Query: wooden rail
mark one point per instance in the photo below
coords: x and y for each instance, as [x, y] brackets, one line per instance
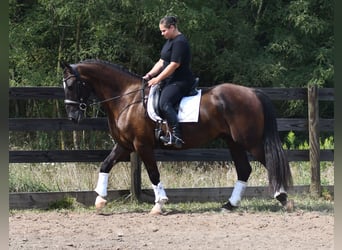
[44, 200]
[197, 154]
[100, 124]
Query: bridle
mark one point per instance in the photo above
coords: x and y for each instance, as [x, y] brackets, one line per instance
[81, 102]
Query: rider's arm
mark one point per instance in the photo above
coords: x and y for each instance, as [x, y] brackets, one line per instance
[164, 74]
[155, 69]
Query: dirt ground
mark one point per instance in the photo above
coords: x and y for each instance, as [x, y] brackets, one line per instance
[209, 230]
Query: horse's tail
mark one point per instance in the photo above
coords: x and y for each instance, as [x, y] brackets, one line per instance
[279, 173]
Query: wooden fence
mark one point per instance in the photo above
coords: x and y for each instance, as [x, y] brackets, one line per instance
[313, 124]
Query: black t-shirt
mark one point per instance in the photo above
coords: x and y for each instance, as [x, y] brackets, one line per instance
[178, 50]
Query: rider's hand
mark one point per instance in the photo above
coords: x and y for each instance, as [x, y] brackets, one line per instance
[153, 81]
[147, 77]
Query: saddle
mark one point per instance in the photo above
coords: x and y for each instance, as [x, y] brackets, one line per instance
[158, 132]
[193, 91]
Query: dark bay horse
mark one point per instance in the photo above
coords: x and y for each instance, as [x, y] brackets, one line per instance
[242, 116]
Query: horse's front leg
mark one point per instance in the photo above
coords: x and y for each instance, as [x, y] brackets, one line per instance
[147, 156]
[117, 154]
[160, 198]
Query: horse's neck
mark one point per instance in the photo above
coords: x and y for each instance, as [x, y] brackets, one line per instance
[116, 87]
[116, 93]
[108, 84]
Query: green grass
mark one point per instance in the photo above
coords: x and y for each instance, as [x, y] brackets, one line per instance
[303, 203]
[47, 177]
[83, 177]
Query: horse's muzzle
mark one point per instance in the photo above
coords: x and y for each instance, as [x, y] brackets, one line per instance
[76, 116]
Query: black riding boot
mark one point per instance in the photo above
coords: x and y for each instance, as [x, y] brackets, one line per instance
[173, 138]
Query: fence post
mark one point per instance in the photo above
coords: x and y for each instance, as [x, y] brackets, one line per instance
[313, 126]
[135, 176]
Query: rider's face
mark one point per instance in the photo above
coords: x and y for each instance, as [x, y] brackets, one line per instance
[167, 33]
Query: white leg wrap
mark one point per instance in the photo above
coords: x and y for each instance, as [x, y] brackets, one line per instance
[238, 191]
[159, 193]
[280, 191]
[102, 183]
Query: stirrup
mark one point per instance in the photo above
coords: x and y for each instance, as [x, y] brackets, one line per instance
[171, 139]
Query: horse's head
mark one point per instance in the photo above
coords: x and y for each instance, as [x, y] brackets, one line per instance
[76, 91]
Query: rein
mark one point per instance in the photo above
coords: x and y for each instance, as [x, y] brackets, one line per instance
[128, 93]
[120, 96]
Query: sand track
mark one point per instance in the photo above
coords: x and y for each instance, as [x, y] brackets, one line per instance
[209, 230]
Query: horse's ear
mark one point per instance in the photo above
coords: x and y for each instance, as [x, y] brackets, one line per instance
[64, 65]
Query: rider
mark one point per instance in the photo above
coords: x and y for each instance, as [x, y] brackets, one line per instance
[173, 71]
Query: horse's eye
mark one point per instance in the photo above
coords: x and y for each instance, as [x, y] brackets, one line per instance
[70, 87]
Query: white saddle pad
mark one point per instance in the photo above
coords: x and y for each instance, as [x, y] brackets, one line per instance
[188, 108]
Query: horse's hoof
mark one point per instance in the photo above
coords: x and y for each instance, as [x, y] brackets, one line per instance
[289, 206]
[282, 198]
[228, 207]
[158, 207]
[156, 210]
[100, 203]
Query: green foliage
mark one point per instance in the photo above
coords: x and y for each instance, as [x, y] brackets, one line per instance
[256, 43]
[292, 142]
[66, 203]
[328, 143]
[303, 169]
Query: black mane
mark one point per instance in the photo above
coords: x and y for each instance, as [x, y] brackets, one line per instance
[112, 65]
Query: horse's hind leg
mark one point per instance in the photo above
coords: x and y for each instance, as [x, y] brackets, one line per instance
[117, 154]
[243, 170]
[280, 193]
